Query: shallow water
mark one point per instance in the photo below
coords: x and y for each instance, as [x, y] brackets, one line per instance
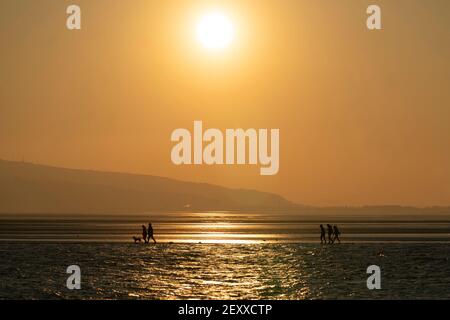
[241, 255]
[221, 227]
[225, 271]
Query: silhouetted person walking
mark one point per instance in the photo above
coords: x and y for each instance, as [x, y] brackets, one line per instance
[336, 234]
[322, 235]
[150, 233]
[144, 233]
[330, 233]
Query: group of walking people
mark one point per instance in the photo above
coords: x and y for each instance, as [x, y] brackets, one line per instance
[333, 234]
[147, 233]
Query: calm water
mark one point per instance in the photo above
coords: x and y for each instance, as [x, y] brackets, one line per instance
[221, 227]
[244, 256]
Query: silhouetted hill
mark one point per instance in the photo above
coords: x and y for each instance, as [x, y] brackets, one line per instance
[31, 188]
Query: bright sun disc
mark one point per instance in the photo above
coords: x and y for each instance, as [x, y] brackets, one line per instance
[215, 31]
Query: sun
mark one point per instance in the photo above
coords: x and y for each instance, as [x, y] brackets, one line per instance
[215, 31]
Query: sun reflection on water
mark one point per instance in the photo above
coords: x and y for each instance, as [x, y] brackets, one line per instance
[223, 269]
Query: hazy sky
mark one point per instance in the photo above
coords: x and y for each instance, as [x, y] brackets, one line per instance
[364, 116]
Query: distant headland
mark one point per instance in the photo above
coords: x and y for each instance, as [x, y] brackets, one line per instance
[35, 188]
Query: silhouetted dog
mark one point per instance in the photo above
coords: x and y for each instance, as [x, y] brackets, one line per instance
[136, 239]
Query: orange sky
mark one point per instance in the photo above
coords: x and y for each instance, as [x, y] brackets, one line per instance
[363, 115]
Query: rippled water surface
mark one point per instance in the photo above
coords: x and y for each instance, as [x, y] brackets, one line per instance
[209, 255]
[209, 271]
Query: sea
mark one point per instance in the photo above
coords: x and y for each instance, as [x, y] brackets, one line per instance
[223, 255]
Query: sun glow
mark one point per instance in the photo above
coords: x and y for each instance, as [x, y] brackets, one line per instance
[215, 31]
